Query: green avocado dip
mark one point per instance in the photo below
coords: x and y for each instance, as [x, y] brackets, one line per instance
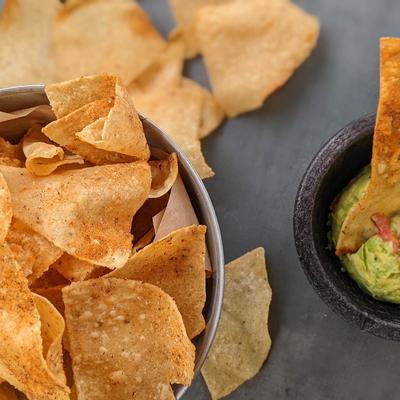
[375, 266]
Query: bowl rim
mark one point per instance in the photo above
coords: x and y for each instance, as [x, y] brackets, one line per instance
[303, 212]
[214, 239]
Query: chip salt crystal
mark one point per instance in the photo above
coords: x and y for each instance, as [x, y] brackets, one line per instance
[88, 203]
[142, 356]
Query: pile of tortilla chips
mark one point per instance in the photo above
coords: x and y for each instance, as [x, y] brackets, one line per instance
[102, 283]
[250, 48]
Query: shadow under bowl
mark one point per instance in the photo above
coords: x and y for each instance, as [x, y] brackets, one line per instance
[336, 163]
[20, 97]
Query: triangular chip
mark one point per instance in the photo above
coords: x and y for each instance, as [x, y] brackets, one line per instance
[251, 48]
[5, 209]
[120, 130]
[120, 39]
[26, 28]
[163, 175]
[52, 330]
[383, 192]
[43, 157]
[125, 337]
[74, 269]
[33, 252]
[176, 265]
[21, 351]
[83, 212]
[242, 342]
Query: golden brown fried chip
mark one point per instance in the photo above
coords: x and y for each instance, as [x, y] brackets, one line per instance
[211, 116]
[25, 47]
[178, 110]
[242, 342]
[43, 157]
[383, 192]
[165, 71]
[74, 269]
[126, 337]
[176, 265]
[185, 15]
[83, 212]
[120, 40]
[21, 352]
[252, 48]
[7, 392]
[6, 212]
[120, 130]
[192, 148]
[52, 330]
[31, 250]
[163, 175]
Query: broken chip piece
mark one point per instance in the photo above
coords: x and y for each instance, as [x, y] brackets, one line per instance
[163, 175]
[153, 352]
[242, 342]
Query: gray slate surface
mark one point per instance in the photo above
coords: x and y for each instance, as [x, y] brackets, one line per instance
[259, 159]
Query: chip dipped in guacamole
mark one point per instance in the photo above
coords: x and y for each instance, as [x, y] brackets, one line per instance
[376, 264]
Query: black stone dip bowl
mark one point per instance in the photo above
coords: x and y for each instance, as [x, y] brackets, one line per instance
[336, 163]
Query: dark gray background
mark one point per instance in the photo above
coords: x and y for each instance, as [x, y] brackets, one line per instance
[259, 159]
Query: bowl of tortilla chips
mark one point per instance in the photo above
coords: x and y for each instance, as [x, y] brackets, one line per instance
[112, 259]
[346, 213]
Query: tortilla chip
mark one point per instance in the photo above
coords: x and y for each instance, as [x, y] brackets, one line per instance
[54, 295]
[252, 48]
[383, 192]
[6, 211]
[52, 330]
[31, 250]
[242, 342]
[185, 15]
[165, 71]
[132, 333]
[83, 211]
[176, 265]
[180, 111]
[21, 359]
[119, 131]
[163, 175]
[43, 157]
[192, 149]
[25, 48]
[212, 115]
[74, 269]
[7, 392]
[120, 40]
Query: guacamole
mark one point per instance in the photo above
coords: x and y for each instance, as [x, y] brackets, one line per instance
[375, 266]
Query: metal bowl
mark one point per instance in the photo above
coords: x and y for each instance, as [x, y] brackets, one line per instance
[336, 163]
[20, 97]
